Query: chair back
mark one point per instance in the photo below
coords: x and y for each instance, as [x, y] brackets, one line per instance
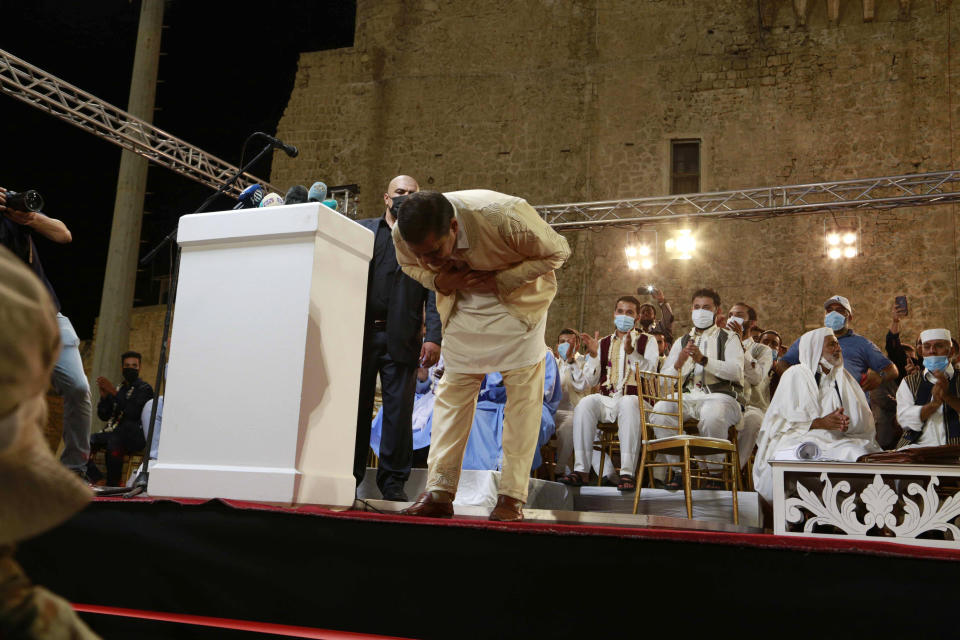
[659, 387]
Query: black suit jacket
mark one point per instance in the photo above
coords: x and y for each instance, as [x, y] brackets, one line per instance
[407, 302]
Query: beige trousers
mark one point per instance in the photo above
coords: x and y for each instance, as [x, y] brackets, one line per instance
[456, 401]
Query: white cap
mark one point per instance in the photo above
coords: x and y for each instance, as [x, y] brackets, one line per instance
[840, 299]
[272, 199]
[934, 334]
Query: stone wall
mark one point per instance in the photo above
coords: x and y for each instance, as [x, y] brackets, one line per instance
[576, 100]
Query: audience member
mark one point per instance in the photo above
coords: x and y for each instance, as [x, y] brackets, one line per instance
[896, 351]
[928, 399]
[819, 411]
[612, 362]
[757, 362]
[647, 321]
[709, 362]
[863, 359]
[122, 409]
[772, 340]
[573, 387]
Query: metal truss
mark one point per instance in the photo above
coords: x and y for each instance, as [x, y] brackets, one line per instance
[39, 89]
[915, 190]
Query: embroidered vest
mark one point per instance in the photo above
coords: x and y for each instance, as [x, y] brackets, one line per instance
[610, 366]
[734, 389]
[922, 391]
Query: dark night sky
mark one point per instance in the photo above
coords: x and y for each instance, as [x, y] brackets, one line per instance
[228, 69]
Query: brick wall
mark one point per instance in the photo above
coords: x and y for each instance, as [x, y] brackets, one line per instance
[563, 101]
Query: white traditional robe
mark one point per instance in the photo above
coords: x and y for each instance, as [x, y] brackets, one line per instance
[799, 401]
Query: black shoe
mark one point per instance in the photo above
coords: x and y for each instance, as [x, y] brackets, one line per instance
[395, 495]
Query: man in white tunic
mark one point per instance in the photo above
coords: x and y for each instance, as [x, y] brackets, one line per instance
[757, 361]
[709, 361]
[818, 405]
[928, 399]
[613, 362]
[490, 257]
[574, 386]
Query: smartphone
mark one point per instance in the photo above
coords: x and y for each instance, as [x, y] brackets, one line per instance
[901, 303]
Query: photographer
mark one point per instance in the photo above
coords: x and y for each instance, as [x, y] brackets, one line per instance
[16, 233]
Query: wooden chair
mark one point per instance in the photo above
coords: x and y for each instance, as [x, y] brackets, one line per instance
[607, 443]
[661, 387]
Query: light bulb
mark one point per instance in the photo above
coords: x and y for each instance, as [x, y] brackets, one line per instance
[633, 264]
[670, 244]
[850, 252]
[644, 250]
[833, 238]
[834, 253]
[646, 263]
[849, 238]
[630, 251]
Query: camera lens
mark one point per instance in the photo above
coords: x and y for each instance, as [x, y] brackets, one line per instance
[25, 200]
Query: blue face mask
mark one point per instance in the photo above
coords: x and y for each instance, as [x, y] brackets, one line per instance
[624, 323]
[563, 349]
[776, 354]
[935, 363]
[834, 320]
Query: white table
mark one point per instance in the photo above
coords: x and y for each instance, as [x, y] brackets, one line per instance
[859, 499]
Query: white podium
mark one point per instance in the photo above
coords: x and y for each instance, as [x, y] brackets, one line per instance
[261, 398]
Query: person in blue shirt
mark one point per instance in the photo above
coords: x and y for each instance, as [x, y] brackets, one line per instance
[863, 359]
[485, 445]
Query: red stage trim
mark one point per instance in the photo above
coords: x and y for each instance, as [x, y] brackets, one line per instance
[796, 543]
[227, 623]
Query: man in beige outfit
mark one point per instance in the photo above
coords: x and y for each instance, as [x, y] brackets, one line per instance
[490, 257]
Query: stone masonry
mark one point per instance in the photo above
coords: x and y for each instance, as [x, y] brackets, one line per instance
[577, 100]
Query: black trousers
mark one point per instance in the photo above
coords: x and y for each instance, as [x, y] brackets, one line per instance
[398, 384]
[125, 439]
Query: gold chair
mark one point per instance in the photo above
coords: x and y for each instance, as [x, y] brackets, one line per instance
[661, 387]
[607, 443]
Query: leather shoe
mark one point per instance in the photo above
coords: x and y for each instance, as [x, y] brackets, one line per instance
[427, 506]
[507, 510]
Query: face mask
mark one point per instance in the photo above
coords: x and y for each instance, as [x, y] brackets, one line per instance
[776, 354]
[935, 363]
[736, 319]
[395, 207]
[827, 365]
[834, 320]
[131, 375]
[563, 349]
[624, 323]
[702, 318]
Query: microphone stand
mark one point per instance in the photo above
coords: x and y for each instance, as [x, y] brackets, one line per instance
[140, 484]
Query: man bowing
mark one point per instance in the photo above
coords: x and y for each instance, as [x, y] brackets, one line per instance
[490, 257]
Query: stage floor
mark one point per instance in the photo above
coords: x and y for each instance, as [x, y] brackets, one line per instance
[591, 505]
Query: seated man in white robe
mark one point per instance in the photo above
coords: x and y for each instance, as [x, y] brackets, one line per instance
[928, 400]
[709, 362]
[757, 361]
[613, 362]
[573, 387]
[818, 406]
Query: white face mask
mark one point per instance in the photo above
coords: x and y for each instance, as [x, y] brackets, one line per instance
[702, 318]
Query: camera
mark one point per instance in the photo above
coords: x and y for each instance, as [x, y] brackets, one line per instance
[29, 200]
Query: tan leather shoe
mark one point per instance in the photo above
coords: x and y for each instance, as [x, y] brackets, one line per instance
[427, 506]
[507, 510]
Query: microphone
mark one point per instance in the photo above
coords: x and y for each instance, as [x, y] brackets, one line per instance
[272, 199]
[318, 192]
[277, 143]
[297, 194]
[249, 197]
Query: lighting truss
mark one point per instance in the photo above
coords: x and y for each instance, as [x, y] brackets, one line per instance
[915, 190]
[39, 89]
